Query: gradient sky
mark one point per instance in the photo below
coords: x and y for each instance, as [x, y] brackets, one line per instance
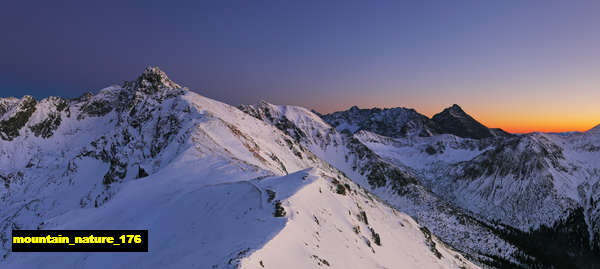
[517, 65]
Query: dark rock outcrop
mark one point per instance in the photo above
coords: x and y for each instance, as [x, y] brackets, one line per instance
[454, 120]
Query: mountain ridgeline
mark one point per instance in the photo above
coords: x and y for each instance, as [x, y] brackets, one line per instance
[269, 186]
[405, 122]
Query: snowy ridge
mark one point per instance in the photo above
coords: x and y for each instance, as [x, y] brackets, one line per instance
[342, 238]
[396, 183]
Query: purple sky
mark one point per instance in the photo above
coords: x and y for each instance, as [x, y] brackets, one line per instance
[498, 59]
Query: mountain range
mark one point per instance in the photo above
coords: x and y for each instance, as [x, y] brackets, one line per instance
[275, 186]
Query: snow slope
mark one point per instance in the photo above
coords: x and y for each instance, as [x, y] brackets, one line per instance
[231, 225]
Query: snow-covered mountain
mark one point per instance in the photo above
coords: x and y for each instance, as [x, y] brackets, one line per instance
[541, 189]
[215, 186]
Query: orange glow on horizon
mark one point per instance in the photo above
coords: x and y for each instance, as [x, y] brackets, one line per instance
[524, 129]
[535, 123]
[550, 123]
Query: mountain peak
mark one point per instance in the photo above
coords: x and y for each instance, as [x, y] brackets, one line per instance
[154, 72]
[455, 110]
[153, 78]
[456, 121]
[455, 107]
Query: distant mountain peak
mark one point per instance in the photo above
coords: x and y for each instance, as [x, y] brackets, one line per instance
[456, 121]
[455, 110]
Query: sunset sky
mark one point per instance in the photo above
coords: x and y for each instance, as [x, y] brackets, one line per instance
[518, 65]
